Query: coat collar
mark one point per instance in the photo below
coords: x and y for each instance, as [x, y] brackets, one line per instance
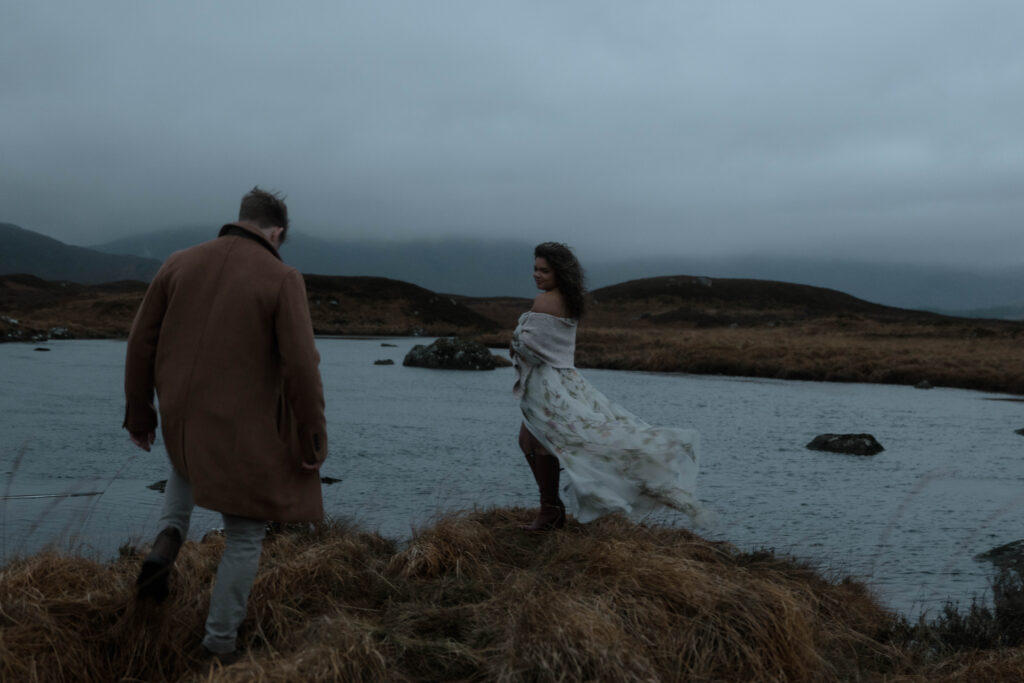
[249, 232]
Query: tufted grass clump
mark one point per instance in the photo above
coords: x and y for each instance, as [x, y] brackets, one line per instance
[471, 597]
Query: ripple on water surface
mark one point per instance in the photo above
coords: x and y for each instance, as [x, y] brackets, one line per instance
[409, 443]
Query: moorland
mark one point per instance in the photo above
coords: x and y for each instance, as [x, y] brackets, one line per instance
[472, 598]
[755, 328]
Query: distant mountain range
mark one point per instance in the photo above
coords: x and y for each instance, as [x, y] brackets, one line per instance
[455, 266]
[489, 268]
[24, 251]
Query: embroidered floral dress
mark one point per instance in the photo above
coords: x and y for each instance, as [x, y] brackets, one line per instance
[612, 460]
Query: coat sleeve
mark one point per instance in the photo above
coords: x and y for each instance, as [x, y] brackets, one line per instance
[140, 361]
[300, 362]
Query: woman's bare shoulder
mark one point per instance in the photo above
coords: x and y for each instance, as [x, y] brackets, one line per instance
[550, 303]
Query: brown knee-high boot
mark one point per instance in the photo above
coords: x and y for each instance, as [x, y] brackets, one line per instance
[552, 511]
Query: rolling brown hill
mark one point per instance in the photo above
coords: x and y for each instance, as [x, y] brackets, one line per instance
[381, 306]
[687, 301]
[338, 305]
[759, 328]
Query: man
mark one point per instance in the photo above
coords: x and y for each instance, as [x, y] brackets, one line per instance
[225, 339]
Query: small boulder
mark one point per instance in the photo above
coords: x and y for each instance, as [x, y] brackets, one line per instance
[1019, 431]
[384, 361]
[394, 346]
[451, 353]
[923, 384]
[852, 444]
[158, 485]
[329, 480]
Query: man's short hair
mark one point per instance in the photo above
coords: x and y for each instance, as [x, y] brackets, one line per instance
[265, 209]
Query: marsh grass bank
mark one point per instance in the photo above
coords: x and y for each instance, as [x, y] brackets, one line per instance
[687, 324]
[865, 352]
[473, 598]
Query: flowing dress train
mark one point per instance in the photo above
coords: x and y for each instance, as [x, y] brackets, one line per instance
[613, 460]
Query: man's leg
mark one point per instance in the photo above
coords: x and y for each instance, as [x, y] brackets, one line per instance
[177, 510]
[174, 520]
[235, 574]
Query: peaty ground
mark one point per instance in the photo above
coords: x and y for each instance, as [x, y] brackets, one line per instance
[472, 598]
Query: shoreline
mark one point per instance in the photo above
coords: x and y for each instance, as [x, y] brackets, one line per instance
[704, 326]
[709, 352]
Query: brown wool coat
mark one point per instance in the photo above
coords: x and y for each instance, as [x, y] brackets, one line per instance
[225, 339]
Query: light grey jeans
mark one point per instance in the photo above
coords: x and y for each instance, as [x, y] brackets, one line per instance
[237, 568]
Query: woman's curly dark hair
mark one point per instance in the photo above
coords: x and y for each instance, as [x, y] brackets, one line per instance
[568, 275]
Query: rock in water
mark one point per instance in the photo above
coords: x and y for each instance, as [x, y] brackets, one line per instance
[1008, 555]
[384, 361]
[451, 353]
[1020, 431]
[853, 444]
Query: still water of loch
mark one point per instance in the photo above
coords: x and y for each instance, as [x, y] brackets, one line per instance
[409, 444]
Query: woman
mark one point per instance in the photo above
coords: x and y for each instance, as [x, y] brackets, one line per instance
[614, 461]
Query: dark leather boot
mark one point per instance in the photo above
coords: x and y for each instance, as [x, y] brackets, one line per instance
[546, 470]
[156, 568]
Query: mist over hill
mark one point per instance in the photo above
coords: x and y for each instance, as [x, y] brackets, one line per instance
[490, 268]
[502, 268]
[458, 266]
[25, 251]
[942, 289]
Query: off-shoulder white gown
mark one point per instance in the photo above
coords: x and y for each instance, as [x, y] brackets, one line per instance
[613, 460]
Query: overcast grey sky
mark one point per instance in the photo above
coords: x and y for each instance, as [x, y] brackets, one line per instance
[880, 129]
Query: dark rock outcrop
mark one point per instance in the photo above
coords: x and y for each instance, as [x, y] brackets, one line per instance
[852, 444]
[384, 361]
[1019, 431]
[1008, 555]
[451, 353]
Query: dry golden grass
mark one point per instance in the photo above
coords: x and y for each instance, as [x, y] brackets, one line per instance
[471, 598]
[965, 357]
